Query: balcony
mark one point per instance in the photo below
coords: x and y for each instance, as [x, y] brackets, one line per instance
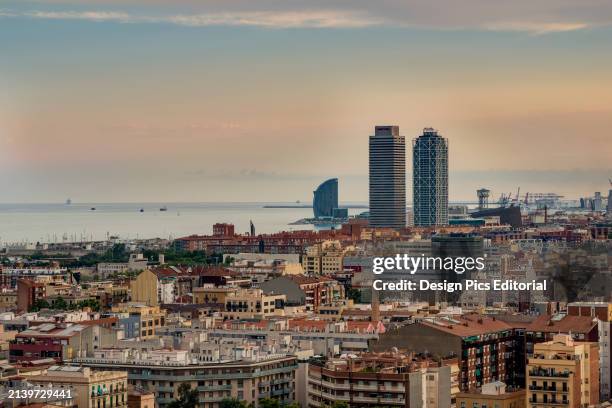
[548, 373]
[206, 388]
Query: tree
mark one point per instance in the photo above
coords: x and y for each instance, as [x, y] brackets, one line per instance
[59, 303]
[39, 304]
[233, 403]
[188, 398]
[354, 294]
[337, 404]
[269, 403]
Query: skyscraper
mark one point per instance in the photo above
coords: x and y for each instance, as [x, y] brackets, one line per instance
[387, 178]
[430, 179]
[325, 198]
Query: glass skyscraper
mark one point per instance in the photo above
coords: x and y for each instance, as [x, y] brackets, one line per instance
[430, 179]
[387, 178]
[325, 198]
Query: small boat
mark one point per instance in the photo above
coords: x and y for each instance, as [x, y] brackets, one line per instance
[164, 208]
[93, 208]
[142, 210]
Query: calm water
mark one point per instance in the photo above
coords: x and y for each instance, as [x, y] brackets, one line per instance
[76, 222]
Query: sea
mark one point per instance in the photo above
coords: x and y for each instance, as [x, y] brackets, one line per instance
[79, 222]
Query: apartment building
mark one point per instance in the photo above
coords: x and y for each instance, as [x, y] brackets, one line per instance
[253, 303]
[601, 312]
[563, 372]
[324, 258]
[309, 291]
[489, 349]
[60, 341]
[250, 380]
[375, 380]
[89, 388]
[139, 320]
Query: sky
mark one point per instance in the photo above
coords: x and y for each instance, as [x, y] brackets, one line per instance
[241, 100]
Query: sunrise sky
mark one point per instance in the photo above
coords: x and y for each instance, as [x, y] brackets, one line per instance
[243, 100]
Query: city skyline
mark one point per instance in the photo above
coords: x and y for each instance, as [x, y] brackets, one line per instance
[200, 101]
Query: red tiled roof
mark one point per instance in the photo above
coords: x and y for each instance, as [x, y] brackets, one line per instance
[305, 280]
[575, 324]
[307, 325]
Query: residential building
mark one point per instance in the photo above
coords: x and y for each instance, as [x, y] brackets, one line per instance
[389, 380]
[246, 379]
[309, 291]
[145, 288]
[139, 320]
[488, 349]
[90, 388]
[141, 399]
[602, 311]
[60, 341]
[324, 258]
[563, 372]
[253, 303]
[28, 292]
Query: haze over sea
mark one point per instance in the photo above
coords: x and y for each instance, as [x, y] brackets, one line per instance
[77, 222]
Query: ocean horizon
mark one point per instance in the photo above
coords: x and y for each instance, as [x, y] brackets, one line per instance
[76, 222]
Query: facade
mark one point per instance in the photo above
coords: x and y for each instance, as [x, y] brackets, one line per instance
[430, 179]
[309, 291]
[325, 199]
[373, 380]
[223, 230]
[286, 242]
[387, 178]
[8, 300]
[563, 372]
[253, 303]
[28, 292]
[489, 350]
[138, 399]
[10, 275]
[59, 342]
[601, 311]
[140, 320]
[145, 288]
[246, 380]
[91, 389]
[324, 258]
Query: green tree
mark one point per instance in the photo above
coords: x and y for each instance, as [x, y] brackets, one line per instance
[337, 404]
[39, 304]
[269, 403]
[59, 304]
[354, 294]
[188, 398]
[233, 403]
